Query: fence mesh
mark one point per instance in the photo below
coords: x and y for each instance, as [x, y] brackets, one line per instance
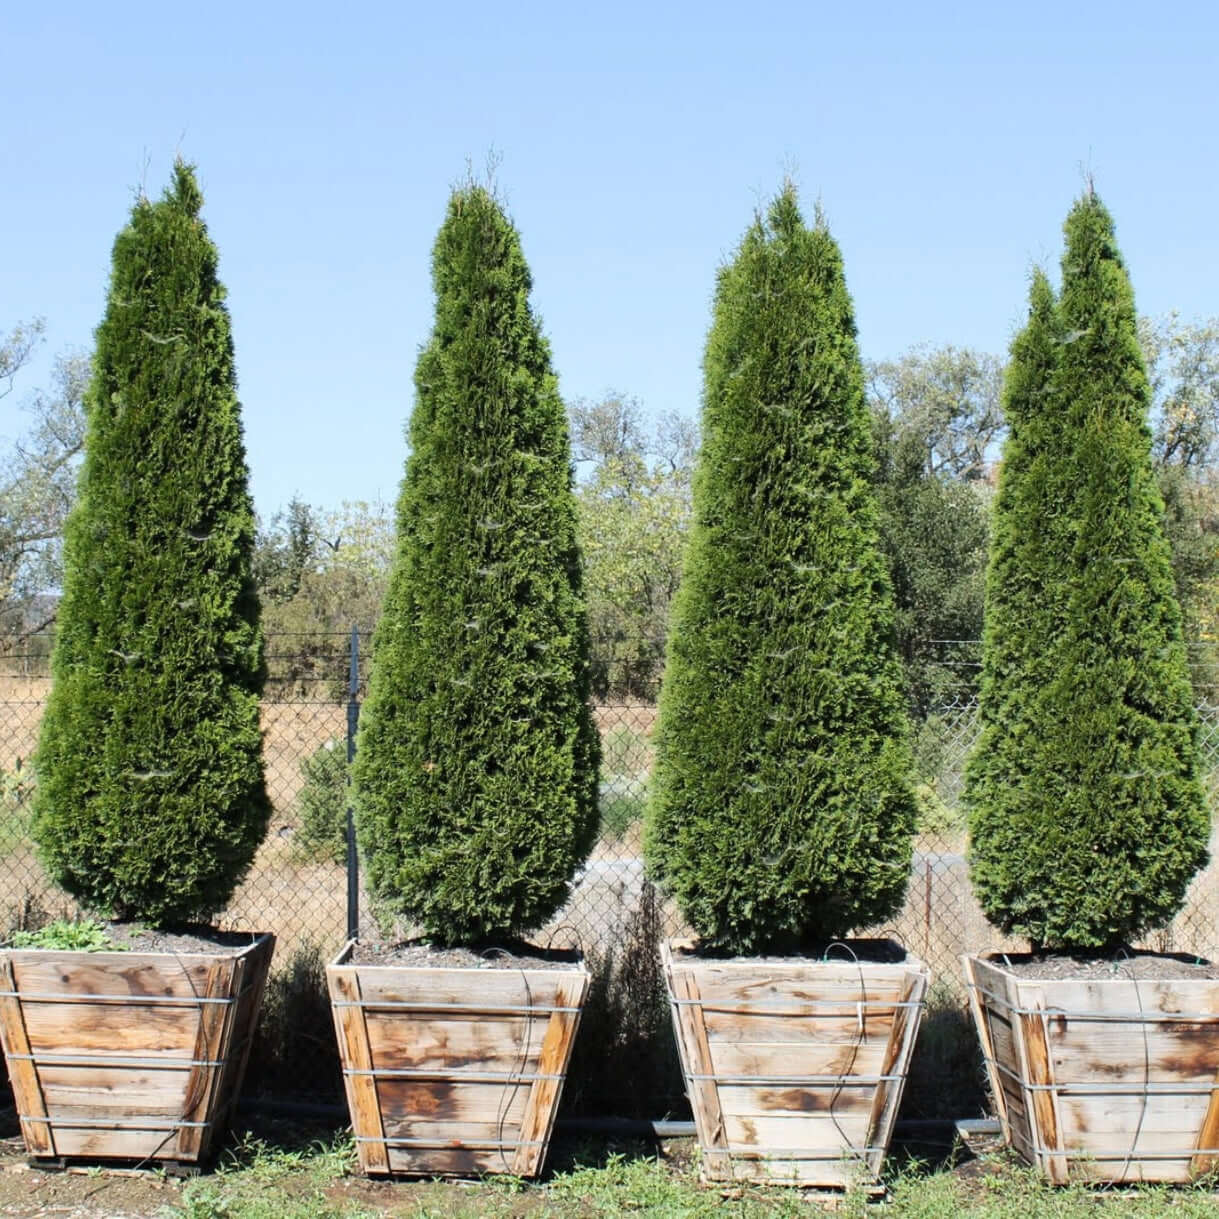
[297, 886]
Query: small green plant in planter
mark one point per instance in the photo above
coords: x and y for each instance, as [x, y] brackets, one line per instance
[1087, 817]
[476, 762]
[150, 800]
[782, 805]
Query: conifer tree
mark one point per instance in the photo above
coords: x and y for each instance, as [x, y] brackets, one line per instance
[150, 800]
[1087, 817]
[782, 808]
[476, 763]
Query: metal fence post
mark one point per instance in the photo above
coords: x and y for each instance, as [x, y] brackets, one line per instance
[353, 720]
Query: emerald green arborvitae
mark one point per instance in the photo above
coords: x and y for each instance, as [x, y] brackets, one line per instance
[1087, 816]
[476, 763]
[150, 800]
[782, 807]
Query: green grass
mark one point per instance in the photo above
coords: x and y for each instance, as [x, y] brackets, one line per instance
[259, 1181]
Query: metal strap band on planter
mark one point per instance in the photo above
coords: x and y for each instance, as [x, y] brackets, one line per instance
[799, 1005]
[795, 1081]
[797, 1153]
[30, 996]
[1086, 1153]
[101, 1123]
[452, 1144]
[465, 1077]
[483, 1008]
[92, 1060]
[1150, 1017]
[1112, 1088]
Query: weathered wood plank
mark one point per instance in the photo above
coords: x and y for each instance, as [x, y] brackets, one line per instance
[704, 1097]
[352, 1034]
[405, 1040]
[92, 1029]
[774, 1058]
[1044, 1105]
[474, 991]
[128, 1144]
[99, 1092]
[795, 1101]
[447, 1100]
[538, 1119]
[896, 1064]
[831, 1133]
[22, 1073]
[796, 1027]
[432, 1162]
[208, 1048]
[129, 975]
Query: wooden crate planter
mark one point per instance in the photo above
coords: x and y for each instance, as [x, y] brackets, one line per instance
[794, 1068]
[128, 1055]
[1102, 1080]
[453, 1071]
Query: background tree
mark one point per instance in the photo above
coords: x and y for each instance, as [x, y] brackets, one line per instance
[37, 485]
[1087, 817]
[151, 801]
[476, 766]
[634, 510]
[782, 805]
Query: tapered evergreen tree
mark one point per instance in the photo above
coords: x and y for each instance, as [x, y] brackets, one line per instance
[150, 800]
[476, 764]
[1087, 816]
[782, 808]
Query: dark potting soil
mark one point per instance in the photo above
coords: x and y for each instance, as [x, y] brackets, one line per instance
[135, 937]
[419, 953]
[1139, 966]
[836, 952]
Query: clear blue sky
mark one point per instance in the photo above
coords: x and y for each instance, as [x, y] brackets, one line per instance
[946, 142]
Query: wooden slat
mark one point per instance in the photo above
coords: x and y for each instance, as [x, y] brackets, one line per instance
[472, 990]
[21, 1072]
[1043, 1106]
[797, 1101]
[538, 1120]
[828, 1133]
[100, 1092]
[447, 1100]
[777, 1058]
[984, 1024]
[92, 1143]
[111, 973]
[405, 1040]
[440, 1162]
[842, 1028]
[354, 1052]
[110, 1028]
[223, 978]
[704, 1096]
[239, 1040]
[1207, 1135]
[896, 1063]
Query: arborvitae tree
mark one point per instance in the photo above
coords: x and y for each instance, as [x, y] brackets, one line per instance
[1087, 816]
[151, 801]
[476, 764]
[782, 806]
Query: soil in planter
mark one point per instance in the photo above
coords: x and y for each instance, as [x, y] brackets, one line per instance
[135, 937]
[1139, 966]
[420, 954]
[835, 952]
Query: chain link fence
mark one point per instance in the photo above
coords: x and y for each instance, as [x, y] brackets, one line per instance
[298, 886]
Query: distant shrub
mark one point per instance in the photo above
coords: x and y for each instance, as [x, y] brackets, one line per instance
[322, 802]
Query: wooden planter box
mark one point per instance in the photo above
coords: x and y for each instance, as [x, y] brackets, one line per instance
[453, 1071]
[1102, 1080]
[128, 1055]
[794, 1068]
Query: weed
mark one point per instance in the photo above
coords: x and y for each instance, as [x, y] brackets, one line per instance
[68, 935]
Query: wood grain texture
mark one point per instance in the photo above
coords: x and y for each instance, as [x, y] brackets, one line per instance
[126, 1060]
[1101, 1122]
[23, 1074]
[471, 1067]
[797, 1066]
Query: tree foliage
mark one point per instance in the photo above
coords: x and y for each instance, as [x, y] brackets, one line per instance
[37, 483]
[782, 805]
[634, 512]
[151, 802]
[477, 756]
[1087, 817]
